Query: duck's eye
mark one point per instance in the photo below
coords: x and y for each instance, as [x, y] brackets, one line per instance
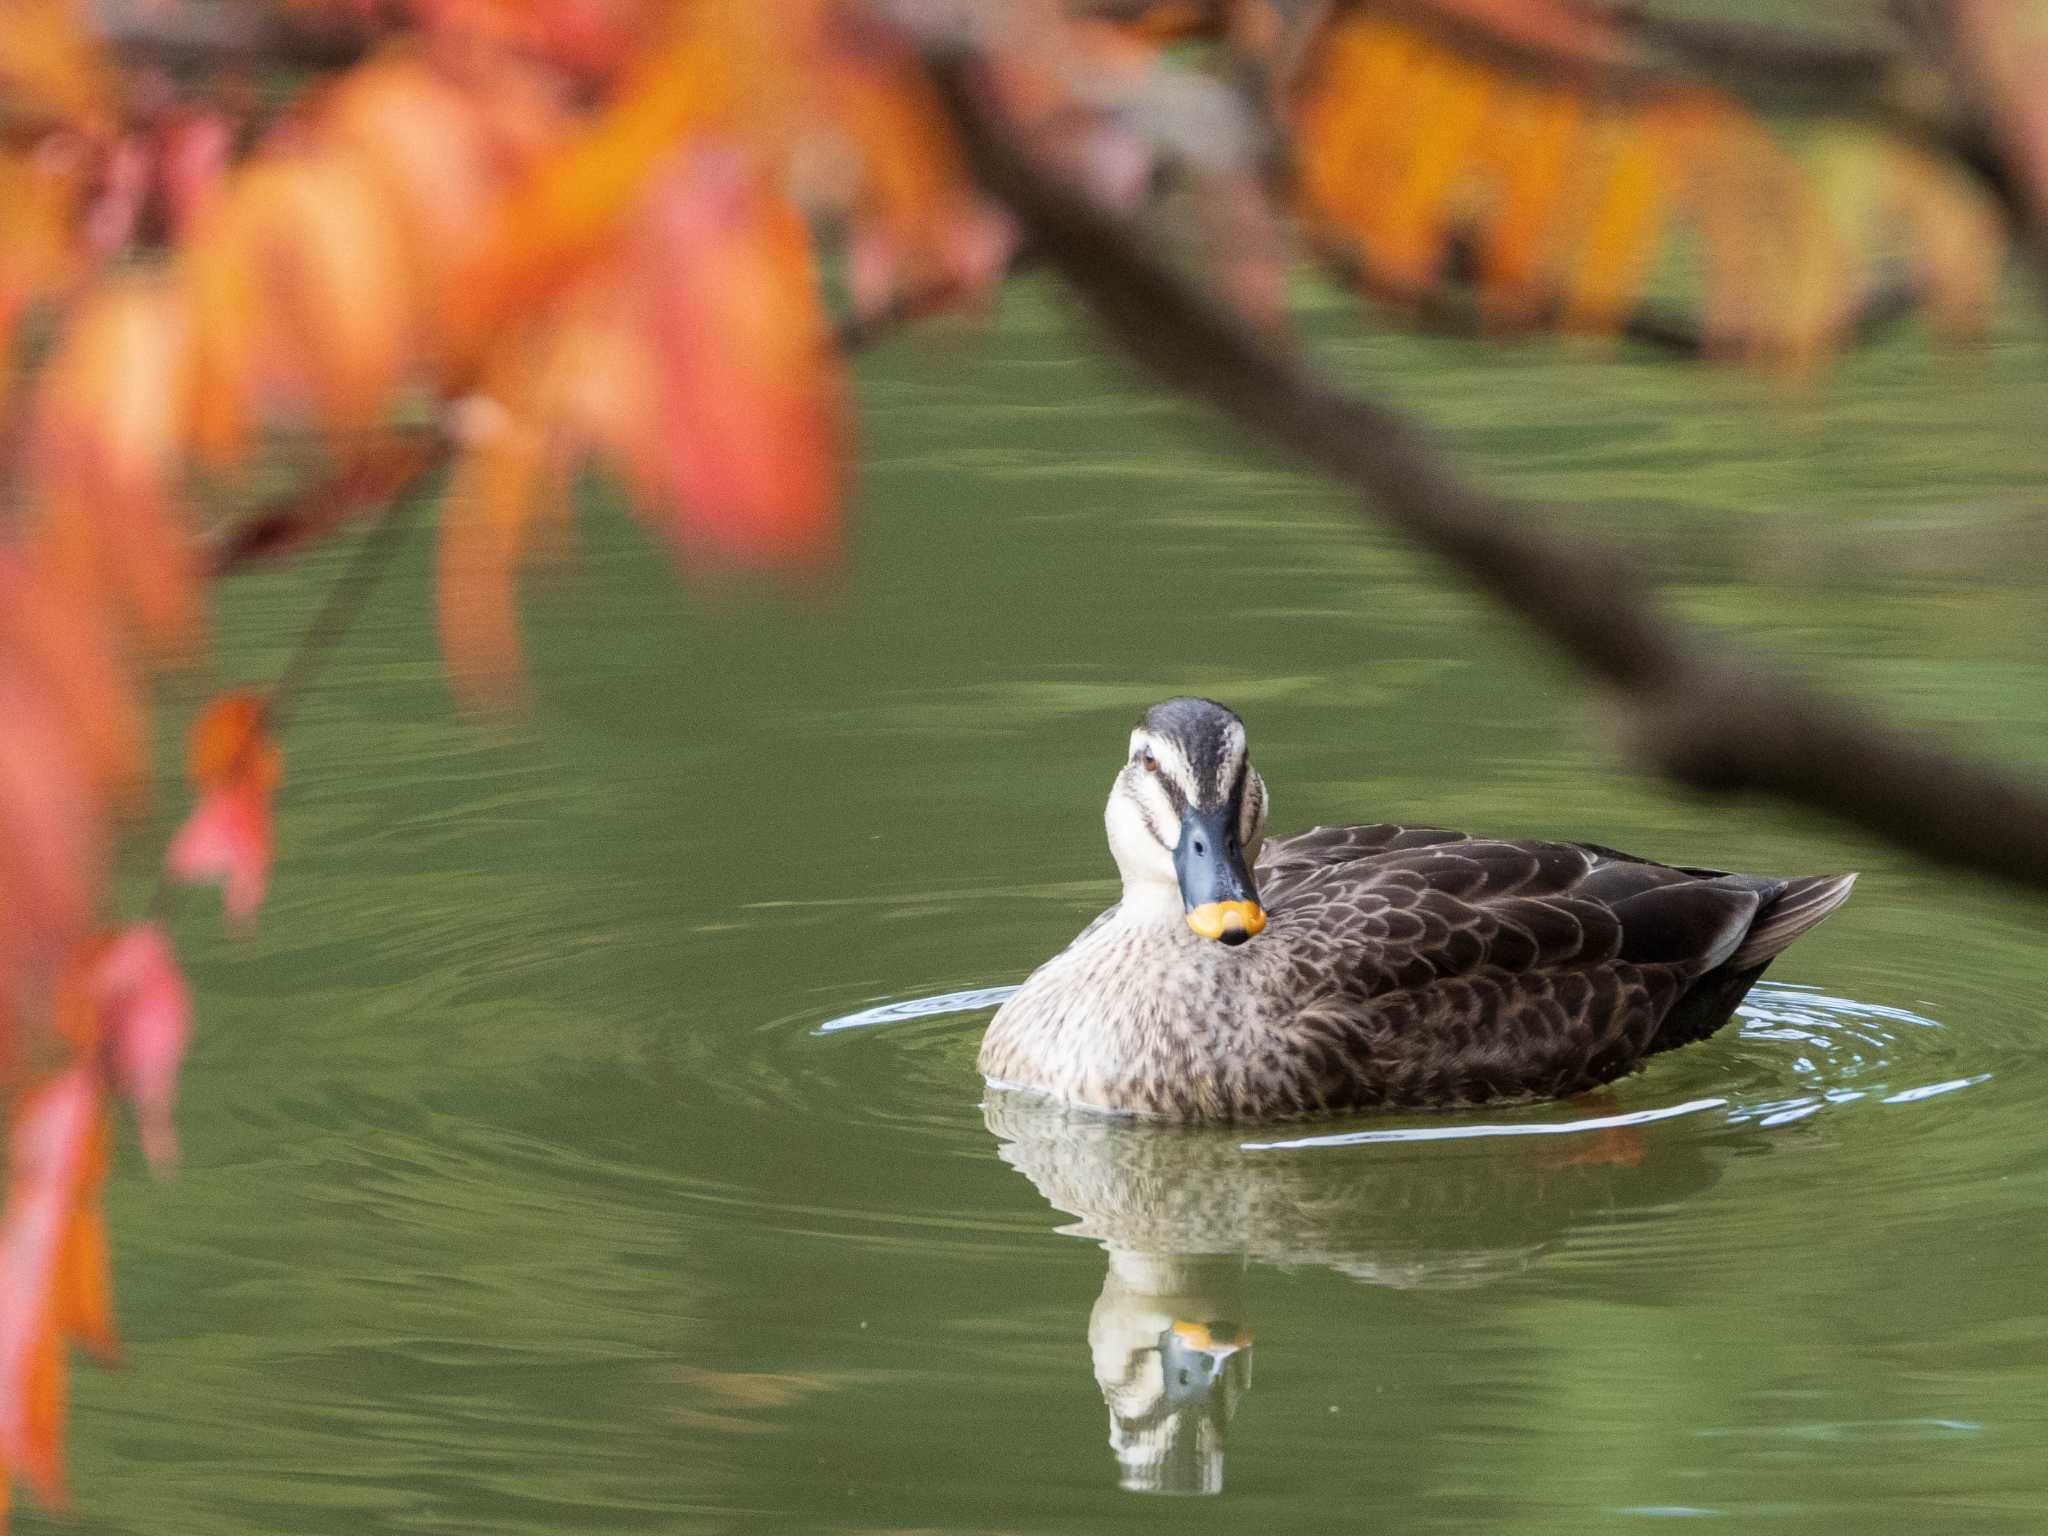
[1151, 763]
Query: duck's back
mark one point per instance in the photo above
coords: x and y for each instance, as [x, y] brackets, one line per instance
[1405, 966]
[1451, 969]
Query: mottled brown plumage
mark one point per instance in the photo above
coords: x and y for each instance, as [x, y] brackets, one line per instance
[1398, 965]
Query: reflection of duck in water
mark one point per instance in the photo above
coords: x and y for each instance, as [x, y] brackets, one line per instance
[1181, 1209]
[1359, 966]
[1172, 1361]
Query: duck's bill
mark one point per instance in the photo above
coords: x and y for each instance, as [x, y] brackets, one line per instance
[1231, 922]
[1222, 903]
[1213, 1337]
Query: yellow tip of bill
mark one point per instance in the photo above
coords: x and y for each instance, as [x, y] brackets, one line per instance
[1214, 919]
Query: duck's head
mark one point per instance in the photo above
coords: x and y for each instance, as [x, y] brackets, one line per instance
[1185, 818]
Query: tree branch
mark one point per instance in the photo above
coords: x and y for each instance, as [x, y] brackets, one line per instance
[1770, 65]
[1705, 713]
[210, 34]
[359, 488]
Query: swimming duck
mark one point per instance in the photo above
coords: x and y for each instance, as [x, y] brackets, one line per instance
[1352, 967]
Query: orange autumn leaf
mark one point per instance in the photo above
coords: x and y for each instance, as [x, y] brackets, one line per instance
[1343, 125]
[1502, 126]
[700, 364]
[228, 838]
[107, 458]
[69, 752]
[1536, 133]
[224, 740]
[1776, 279]
[580, 387]
[51, 66]
[550, 227]
[40, 197]
[1449, 104]
[1956, 235]
[54, 1284]
[301, 294]
[439, 155]
[507, 478]
[1619, 226]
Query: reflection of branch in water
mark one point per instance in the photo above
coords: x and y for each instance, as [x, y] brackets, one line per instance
[1181, 1210]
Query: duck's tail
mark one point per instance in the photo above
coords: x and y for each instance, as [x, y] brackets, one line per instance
[1787, 909]
[1798, 907]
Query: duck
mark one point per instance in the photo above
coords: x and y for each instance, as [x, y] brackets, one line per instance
[1384, 966]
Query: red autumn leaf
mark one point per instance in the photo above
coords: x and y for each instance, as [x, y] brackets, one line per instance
[228, 838]
[53, 1270]
[123, 192]
[145, 1022]
[2007, 47]
[52, 834]
[193, 151]
[68, 656]
[742, 454]
[918, 230]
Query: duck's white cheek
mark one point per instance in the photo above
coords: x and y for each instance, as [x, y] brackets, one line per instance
[1139, 854]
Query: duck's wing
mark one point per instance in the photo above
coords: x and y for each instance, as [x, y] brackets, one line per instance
[1286, 863]
[1466, 969]
[1455, 905]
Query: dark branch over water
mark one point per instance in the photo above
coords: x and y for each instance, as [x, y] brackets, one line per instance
[1703, 711]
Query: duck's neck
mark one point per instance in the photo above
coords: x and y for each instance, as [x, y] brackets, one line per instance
[1150, 903]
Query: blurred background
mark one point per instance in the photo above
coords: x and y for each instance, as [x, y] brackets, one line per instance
[586, 1135]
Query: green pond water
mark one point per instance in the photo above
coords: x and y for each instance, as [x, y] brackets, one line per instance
[525, 1188]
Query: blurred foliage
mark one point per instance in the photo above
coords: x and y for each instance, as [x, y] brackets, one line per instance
[482, 243]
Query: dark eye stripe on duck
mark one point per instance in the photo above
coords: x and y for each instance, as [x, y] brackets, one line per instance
[1234, 801]
[1250, 809]
[1175, 795]
[1139, 799]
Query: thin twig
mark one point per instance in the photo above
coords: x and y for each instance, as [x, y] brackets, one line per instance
[337, 614]
[344, 601]
[1704, 712]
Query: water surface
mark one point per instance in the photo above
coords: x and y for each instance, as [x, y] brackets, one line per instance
[525, 1191]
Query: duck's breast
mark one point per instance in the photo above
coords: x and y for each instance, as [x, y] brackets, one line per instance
[1142, 1018]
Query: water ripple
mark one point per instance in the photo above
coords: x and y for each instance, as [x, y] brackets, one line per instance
[1796, 1051]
